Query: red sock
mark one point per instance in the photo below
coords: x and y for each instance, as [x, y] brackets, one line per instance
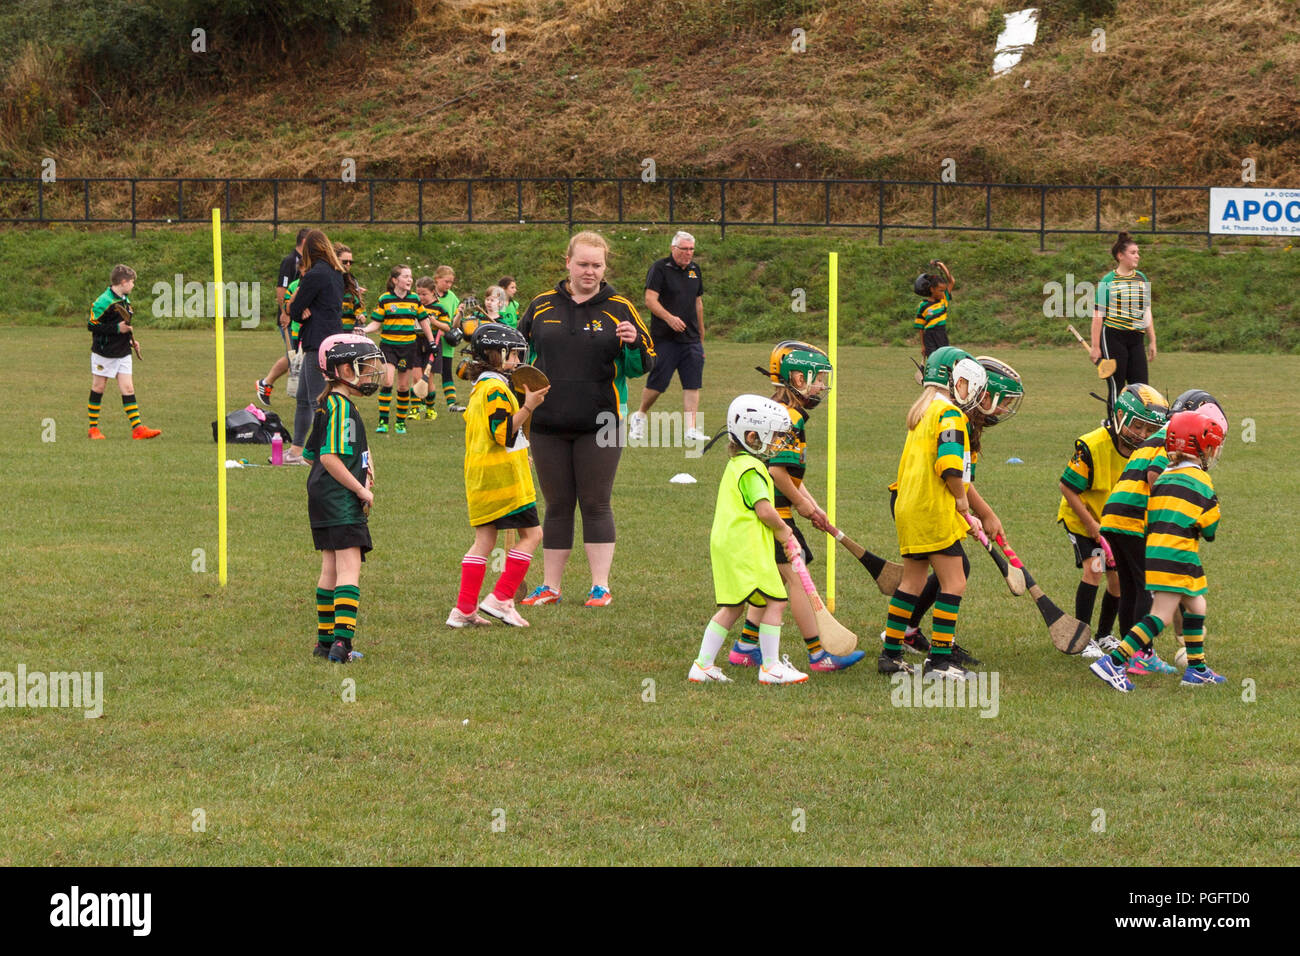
[472, 569]
[516, 567]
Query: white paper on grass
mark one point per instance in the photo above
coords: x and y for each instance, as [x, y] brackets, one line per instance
[1017, 37]
[681, 478]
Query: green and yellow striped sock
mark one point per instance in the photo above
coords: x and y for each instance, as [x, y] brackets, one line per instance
[1138, 639]
[403, 405]
[385, 402]
[748, 636]
[901, 606]
[132, 410]
[449, 393]
[944, 632]
[1194, 638]
[325, 615]
[813, 645]
[347, 599]
[93, 406]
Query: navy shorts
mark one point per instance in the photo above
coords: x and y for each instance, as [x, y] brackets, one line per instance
[520, 519]
[684, 358]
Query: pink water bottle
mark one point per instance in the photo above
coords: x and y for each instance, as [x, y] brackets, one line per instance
[277, 450]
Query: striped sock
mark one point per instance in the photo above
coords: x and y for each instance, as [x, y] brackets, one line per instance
[901, 606]
[944, 632]
[1194, 638]
[403, 405]
[748, 635]
[93, 406]
[325, 615]
[449, 392]
[431, 400]
[347, 599]
[813, 645]
[385, 402]
[1139, 639]
[472, 570]
[132, 410]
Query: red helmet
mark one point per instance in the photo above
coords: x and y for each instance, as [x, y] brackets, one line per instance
[1197, 433]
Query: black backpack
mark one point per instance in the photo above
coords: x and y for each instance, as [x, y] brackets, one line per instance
[243, 427]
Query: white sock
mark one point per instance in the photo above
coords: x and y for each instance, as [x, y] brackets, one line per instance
[714, 635]
[769, 639]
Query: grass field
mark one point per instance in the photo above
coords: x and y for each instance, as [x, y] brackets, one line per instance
[213, 702]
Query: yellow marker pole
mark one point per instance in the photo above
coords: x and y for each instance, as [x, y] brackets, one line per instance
[221, 400]
[831, 424]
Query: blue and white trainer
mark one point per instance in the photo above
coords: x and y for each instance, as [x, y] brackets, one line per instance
[1193, 677]
[1112, 673]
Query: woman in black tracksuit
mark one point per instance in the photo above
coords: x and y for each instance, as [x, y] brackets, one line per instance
[1121, 319]
[588, 340]
[318, 306]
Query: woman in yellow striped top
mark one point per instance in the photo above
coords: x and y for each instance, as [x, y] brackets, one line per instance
[1121, 318]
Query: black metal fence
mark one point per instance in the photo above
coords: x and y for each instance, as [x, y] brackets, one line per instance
[868, 205]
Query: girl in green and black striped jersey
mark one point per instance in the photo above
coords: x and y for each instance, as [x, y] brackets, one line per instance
[1121, 317]
[402, 318]
[1182, 509]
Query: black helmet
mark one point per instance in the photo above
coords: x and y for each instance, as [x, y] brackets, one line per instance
[1191, 400]
[923, 285]
[491, 336]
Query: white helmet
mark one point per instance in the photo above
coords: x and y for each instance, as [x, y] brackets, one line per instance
[754, 413]
[976, 379]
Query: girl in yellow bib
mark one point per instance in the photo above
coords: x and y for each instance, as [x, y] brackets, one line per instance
[741, 544]
[498, 481]
[933, 512]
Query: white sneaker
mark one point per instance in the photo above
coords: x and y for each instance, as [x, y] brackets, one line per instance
[782, 672]
[457, 619]
[695, 435]
[703, 675]
[1107, 643]
[1092, 651]
[503, 611]
[636, 426]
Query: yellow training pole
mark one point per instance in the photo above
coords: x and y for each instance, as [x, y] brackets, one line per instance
[833, 317]
[221, 400]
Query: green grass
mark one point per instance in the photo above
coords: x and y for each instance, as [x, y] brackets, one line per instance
[1204, 300]
[213, 702]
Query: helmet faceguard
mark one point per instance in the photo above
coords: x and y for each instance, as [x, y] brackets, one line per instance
[1002, 394]
[816, 372]
[495, 337]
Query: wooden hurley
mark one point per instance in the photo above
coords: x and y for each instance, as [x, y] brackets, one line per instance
[1105, 366]
[1069, 634]
[887, 574]
[834, 636]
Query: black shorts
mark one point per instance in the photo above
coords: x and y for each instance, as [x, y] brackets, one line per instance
[932, 339]
[401, 357]
[685, 358]
[423, 352]
[520, 519]
[1085, 548]
[340, 537]
[954, 550]
[803, 544]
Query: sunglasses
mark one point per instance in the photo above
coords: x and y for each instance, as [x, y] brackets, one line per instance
[346, 262]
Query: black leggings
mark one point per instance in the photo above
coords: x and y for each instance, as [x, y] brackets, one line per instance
[1128, 349]
[1130, 565]
[573, 468]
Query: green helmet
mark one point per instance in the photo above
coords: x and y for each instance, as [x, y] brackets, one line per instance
[1003, 392]
[938, 367]
[793, 356]
[1139, 412]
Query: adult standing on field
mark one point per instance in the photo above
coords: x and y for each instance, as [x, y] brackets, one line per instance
[318, 306]
[1121, 319]
[588, 340]
[674, 296]
[287, 274]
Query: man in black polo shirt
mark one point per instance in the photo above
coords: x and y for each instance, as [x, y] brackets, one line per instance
[288, 272]
[674, 294]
